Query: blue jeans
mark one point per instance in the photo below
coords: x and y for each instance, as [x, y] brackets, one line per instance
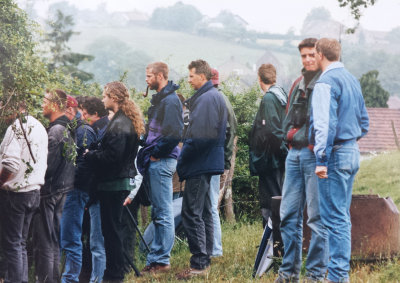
[335, 203]
[71, 233]
[160, 175]
[214, 196]
[96, 244]
[301, 187]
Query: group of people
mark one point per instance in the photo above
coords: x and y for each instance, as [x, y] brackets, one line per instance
[85, 160]
[304, 148]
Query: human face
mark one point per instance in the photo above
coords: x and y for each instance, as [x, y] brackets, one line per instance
[47, 105]
[89, 117]
[308, 58]
[152, 80]
[108, 102]
[196, 80]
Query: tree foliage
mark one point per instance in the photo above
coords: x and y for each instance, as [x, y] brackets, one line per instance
[61, 56]
[245, 190]
[22, 72]
[374, 94]
[179, 17]
[356, 6]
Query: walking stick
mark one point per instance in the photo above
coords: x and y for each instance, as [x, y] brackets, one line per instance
[132, 264]
[137, 228]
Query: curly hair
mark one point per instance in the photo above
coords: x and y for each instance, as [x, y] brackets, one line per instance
[119, 92]
[92, 105]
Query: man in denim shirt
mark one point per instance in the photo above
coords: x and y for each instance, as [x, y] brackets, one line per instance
[338, 120]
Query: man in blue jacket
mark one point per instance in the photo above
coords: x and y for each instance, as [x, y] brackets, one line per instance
[202, 156]
[165, 126]
[338, 119]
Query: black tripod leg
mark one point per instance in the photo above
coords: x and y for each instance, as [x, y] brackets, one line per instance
[132, 264]
[137, 228]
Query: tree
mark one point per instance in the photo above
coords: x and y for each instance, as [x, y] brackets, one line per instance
[356, 9]
[22, 72]
[179, 17]
[374, 94]
[356, 6]
[113, 57]
[61, 56]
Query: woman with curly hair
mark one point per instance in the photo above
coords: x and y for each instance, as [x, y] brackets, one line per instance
[113, 163]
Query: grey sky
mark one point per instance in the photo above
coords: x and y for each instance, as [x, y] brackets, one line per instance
[275, 16]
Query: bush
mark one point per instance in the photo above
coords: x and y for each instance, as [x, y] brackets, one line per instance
[245, 191]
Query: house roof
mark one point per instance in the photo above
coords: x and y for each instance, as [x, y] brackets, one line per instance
[381, 136]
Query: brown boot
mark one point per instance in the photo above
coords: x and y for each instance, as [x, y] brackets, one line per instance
[154, 268]
[192, 272]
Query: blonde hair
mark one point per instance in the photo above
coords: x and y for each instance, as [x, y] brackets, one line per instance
[329, 47]
[119, 92]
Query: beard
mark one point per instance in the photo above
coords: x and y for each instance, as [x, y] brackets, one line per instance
[154, 85]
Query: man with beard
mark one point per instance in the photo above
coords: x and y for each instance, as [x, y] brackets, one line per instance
[165, 125]
[59, 180]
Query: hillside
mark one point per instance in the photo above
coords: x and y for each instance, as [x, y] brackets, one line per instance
[380, 175]
[178, 49]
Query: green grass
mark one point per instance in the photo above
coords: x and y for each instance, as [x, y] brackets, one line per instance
[380, 175]
[240, 243]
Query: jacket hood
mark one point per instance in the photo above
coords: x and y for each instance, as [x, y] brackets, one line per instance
[167, 90]
[279, 93]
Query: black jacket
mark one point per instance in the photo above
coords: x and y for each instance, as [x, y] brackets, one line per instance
[85, 136]
[60, 159]
[115, 157]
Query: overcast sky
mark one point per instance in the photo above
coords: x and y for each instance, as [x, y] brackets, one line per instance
[281, 14]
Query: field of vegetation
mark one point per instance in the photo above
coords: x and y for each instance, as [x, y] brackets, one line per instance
[378, 175]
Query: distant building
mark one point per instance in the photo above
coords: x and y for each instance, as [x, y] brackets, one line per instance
[232, 69]
[384, 131]
[134, 17]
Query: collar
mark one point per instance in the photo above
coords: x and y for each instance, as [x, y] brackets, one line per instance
[333, 65]
[204, 88]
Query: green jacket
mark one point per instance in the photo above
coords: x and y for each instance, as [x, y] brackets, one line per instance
[231, 127]
[296, 123]
[267, 150]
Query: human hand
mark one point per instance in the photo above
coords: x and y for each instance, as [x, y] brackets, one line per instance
[127, 201]
[322, 172]
[154, 159]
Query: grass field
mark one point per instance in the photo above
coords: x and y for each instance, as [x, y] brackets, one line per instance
[379, 175]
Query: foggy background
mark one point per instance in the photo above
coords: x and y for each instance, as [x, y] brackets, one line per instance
[234, 36]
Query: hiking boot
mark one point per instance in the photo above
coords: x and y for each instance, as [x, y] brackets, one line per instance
[155, 267]
[192, 272]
